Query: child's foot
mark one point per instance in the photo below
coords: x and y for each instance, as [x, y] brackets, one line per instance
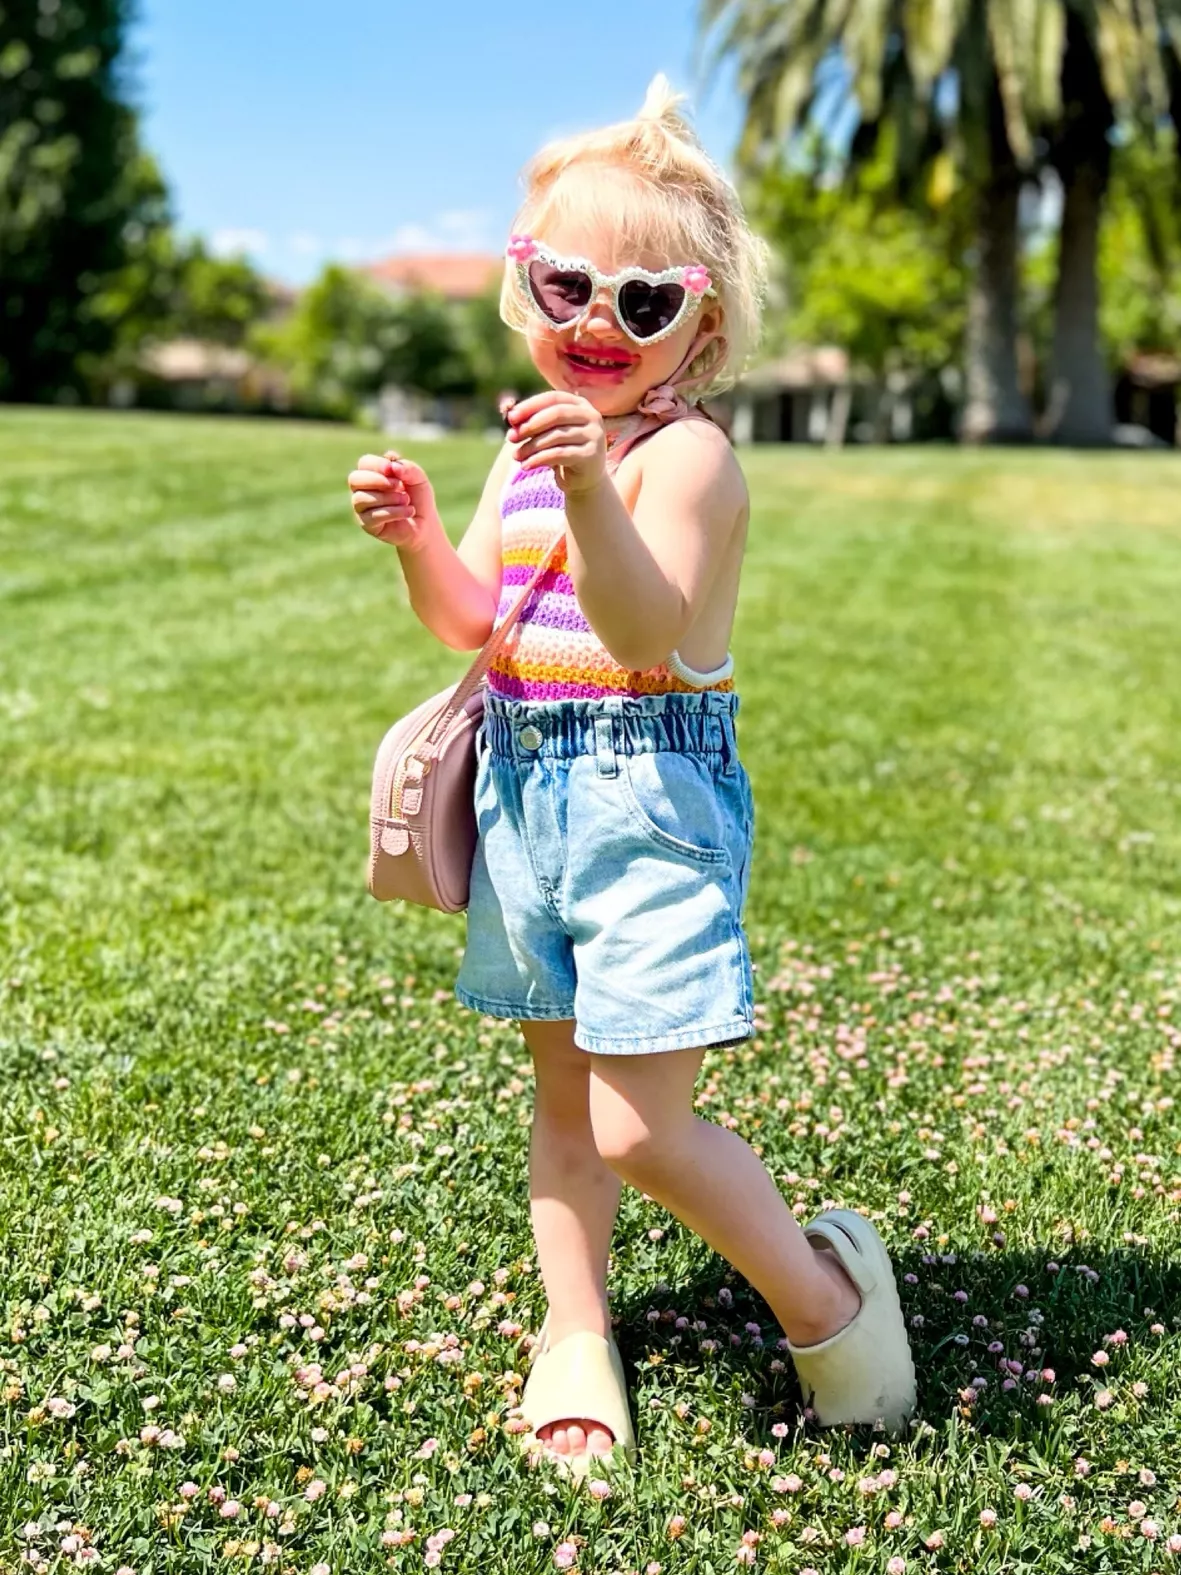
[863, 1372]
[581, 1374]
[580, 1436]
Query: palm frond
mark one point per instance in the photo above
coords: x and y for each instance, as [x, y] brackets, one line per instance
[1048, 51]
[929, 29]
[1004, 36]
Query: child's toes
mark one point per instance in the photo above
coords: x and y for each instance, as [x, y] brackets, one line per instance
[599, 1441]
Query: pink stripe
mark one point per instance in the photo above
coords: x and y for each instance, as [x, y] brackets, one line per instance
[519, 689]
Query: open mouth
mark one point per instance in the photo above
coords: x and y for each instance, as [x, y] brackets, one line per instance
[600, 360]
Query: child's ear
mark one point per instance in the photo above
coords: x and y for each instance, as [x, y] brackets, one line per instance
[713, 320]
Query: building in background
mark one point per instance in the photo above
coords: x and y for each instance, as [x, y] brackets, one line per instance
[1148, 398]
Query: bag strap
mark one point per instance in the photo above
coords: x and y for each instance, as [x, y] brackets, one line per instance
[470, 681]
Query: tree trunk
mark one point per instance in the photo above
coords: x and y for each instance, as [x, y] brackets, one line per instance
[1080, 387]
[838, 416]
[995, 408]
[1080, 403]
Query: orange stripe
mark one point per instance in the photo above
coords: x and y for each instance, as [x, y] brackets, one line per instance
[530, 556]
[657, 681]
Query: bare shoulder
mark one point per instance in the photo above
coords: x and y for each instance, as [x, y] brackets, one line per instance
[694, 456]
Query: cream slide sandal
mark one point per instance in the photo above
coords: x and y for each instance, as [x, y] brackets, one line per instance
[864, 1372]
[581, 1376]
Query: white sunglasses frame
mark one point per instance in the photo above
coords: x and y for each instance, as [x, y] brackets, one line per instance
[613, 282]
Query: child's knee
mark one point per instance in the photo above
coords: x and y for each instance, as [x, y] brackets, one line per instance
[637, 1146]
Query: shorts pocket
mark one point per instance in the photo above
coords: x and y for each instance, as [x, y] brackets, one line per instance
[673, 800]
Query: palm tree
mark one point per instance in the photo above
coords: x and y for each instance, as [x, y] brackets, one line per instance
[975, 92]
[1118, 64]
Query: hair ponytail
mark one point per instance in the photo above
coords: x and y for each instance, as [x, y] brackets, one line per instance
[661, 104]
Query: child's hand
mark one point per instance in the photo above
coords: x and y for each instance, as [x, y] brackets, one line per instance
[565, 431]
[391, 498]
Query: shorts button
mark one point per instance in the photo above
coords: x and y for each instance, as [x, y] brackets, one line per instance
[530, 738]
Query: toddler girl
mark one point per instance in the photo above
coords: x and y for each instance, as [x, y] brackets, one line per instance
[615, 817]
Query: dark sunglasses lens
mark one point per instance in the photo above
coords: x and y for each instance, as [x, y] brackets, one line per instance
[561, 293]
[647, 309]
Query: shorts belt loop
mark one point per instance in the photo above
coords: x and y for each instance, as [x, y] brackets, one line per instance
[605, 747]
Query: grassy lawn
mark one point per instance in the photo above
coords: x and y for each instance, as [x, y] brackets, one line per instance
[263, 1224]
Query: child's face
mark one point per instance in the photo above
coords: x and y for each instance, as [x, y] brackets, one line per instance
[558, 355]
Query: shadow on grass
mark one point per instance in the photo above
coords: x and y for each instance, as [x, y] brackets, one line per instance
[1026, 1314]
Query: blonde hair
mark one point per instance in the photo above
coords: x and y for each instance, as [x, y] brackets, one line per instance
[650, 180]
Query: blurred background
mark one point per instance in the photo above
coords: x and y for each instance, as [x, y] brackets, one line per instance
[975, 207]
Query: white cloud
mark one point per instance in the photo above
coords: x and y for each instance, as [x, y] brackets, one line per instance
[454, 230]
[232, 243]
[410, 238]
[468, 225]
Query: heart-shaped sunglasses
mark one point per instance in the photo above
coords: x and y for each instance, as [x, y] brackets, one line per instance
[648, 306]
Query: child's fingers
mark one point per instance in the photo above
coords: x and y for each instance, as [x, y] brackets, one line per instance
[370, 481]
[378, 497]
[380, 500]
[405, 469]
[400, 506]
[551, 457]
[562, 437]
[528, 407]
[377, 521]
[543, 420]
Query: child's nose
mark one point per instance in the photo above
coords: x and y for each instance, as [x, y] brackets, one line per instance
[601, 317]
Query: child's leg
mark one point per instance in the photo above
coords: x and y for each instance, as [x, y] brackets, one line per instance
[574, 1198]
[645, 1129]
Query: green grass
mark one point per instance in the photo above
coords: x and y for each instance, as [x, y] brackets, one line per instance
[237, 1091]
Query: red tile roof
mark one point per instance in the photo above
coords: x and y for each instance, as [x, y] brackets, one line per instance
[457, 275]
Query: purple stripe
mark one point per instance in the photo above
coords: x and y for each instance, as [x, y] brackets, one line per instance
[521, 689]
[532, 494]
[521, 573]
[548, 612]
[536, 474]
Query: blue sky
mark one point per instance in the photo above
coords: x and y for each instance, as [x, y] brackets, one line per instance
[304, 130]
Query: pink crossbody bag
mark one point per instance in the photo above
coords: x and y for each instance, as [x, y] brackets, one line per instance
[422, 818]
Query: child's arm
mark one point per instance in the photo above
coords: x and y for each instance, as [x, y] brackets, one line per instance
[453, 591]
[642, 579]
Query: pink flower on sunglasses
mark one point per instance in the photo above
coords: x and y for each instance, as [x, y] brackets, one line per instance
[521, 247]
[696, 279]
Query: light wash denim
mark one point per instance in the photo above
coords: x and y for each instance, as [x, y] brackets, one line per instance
[612, 869]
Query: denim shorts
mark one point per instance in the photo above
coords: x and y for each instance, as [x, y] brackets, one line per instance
[611, 871]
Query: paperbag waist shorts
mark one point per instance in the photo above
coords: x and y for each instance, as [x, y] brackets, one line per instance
[611, 872]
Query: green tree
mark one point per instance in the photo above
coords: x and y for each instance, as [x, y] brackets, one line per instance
[347, 340]
[861, 269]
[67, 142]
[920, 84]
[1120, 71]
[496, 353]
[1140, 250]
[1139, 260]
[169, 287]
[973, 95]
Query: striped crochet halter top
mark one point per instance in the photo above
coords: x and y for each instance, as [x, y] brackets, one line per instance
[553, 653]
